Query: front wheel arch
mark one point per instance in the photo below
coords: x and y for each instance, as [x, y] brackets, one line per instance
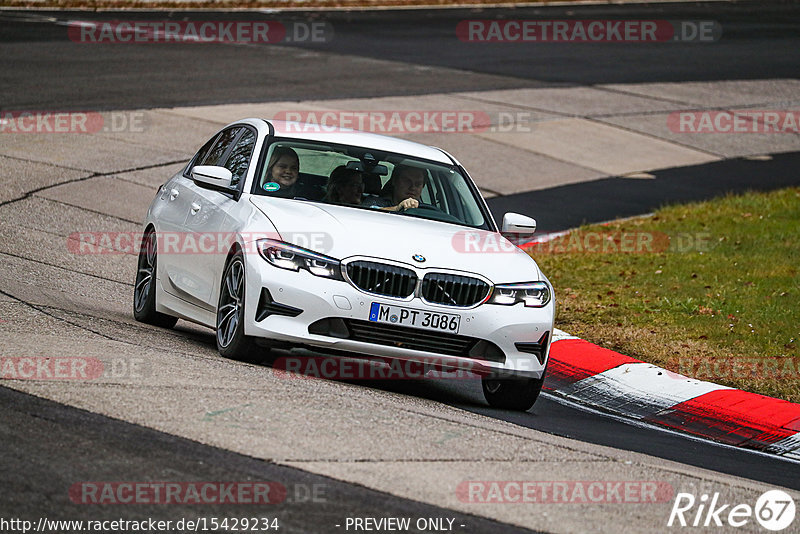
[230, 313]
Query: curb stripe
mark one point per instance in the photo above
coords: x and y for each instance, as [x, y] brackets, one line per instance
[591, 375]
[735, 417]
[572, 360]
[639, 390]
[789, 447]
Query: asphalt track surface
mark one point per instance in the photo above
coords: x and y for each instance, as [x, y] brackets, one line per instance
[614, 197]
[553, 416]
[41, 69]
[67, 441]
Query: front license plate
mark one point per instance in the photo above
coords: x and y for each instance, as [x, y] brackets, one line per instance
[443, 322]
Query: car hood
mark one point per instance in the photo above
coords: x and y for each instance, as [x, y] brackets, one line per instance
[343, 232]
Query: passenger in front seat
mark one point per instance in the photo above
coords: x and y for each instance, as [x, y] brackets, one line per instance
[282, 178]
[283, 170]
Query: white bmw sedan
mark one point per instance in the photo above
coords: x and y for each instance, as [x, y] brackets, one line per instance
[283, 234]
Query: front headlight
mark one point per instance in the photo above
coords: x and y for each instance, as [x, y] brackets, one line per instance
[533, 294]
[287, 256]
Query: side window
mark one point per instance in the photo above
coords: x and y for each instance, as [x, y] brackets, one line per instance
[239, 159]
[215, 155]
[201, 154]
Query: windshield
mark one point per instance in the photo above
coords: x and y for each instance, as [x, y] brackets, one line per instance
[361, 178]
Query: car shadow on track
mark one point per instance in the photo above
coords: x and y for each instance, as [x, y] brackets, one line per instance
[616, 197]
[454, 388]
[548, 415]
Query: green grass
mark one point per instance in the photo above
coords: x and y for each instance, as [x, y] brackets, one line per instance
[725, 310]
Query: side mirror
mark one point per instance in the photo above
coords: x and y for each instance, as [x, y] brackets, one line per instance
[215, 177]
[514, 223]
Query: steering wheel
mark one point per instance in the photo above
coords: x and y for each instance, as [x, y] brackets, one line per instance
[424, 207]
[429, 211]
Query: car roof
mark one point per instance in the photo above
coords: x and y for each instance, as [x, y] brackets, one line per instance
[345, 136]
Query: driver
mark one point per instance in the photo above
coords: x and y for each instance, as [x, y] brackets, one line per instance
[402, 191]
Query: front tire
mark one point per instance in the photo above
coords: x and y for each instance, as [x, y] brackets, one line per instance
[231, 341]
[512, 393]
[144, 288]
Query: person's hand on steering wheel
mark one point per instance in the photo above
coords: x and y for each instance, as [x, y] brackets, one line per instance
[407, 204]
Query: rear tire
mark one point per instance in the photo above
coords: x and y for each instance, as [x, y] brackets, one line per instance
[144, 288]
[512, 393]
[231, 341]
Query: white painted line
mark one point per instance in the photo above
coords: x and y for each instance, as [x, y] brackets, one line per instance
[637, 390]
[787, 447]
[560, 335]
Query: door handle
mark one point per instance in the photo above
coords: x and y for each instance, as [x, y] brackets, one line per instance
[173, 194]
[195, 208]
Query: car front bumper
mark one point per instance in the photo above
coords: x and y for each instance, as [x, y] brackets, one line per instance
[325, 305]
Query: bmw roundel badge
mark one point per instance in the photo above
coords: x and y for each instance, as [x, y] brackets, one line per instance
[418, 257]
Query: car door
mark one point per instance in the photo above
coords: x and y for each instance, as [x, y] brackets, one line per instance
[171, 213]
[209, 211]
